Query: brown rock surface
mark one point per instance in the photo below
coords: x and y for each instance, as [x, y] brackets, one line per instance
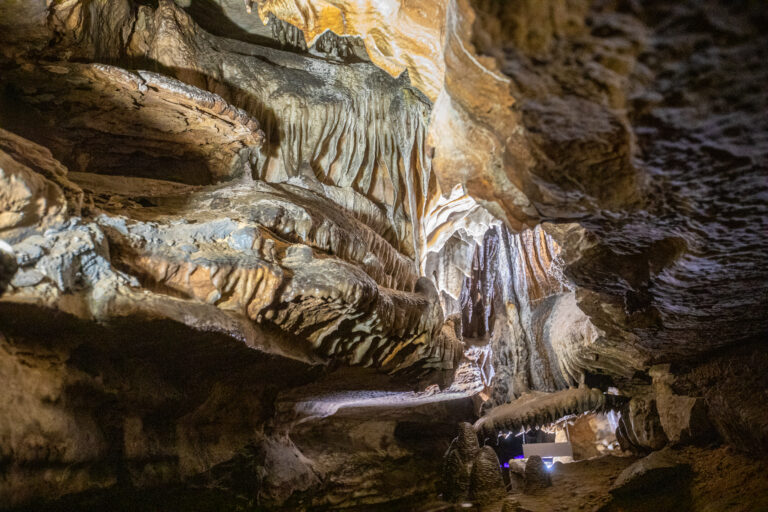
[592, 435]
[640, 427]
[684, 419]
[536, 474]
[657, 470]
[485, 482]
[249, 265]
[120, 123]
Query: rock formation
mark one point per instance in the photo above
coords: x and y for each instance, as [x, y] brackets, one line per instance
[536, 475]
[266, 254]
[535, 409]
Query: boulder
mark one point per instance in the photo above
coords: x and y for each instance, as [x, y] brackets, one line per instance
[657, 471]
[639, 427]
[516, 475]
[684, 419]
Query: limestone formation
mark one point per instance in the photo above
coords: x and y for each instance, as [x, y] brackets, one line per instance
[458, 464]
[591, 435]
[537, 409]
[267, 254]
[455, 477]
[485, 481]
[683, 418]
[517, 475]
[536, 474]
[120, 123]
[470, 472]
[639, 427]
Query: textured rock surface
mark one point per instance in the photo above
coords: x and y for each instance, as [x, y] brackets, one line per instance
[684, 419]
[640, 427]
[458, 464]
[591, 435]
[485, 482]
[536, 409]
[271, 253]
[536, 474]
[135, 224]
[656, 470]
[718, 479]
[106, 120]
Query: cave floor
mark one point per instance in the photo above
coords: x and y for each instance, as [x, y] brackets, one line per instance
[722, 480]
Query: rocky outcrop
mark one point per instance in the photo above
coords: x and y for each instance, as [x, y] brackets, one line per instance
[531, 173]
[137, 207]
[684, 419]
[727, 381]
[120, 123]
[591, 435]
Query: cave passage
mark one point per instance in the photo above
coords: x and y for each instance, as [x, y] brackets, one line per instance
[368, 256]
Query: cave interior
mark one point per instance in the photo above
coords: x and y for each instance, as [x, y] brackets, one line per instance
[383, 255]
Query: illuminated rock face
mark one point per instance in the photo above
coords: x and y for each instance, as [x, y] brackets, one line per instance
[224, 241]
